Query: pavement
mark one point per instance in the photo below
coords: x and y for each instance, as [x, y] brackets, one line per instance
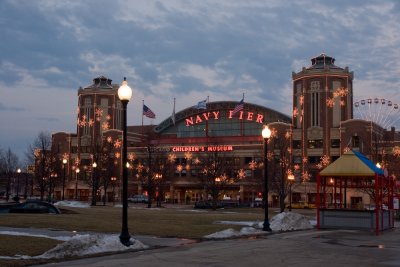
[322, 248]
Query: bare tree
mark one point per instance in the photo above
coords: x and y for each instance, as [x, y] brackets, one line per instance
[217, 174]
[8, 165]
[41, 149]
[280, 163]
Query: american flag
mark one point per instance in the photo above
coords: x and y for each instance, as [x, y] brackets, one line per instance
[238, 107]
[148, 112]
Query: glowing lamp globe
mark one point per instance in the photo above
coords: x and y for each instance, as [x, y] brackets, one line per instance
[124, 91]
[266, 132]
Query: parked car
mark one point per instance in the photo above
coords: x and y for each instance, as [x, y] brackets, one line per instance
[138, 199]
[30, 206]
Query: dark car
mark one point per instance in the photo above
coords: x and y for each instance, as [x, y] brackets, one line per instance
[30, 206]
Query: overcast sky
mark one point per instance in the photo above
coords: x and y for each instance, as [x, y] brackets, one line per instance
[183, 49]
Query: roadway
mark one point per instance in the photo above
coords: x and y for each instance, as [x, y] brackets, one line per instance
[325, 248]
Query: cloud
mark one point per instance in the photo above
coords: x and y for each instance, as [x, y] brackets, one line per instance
[9, 108]
[186, 50]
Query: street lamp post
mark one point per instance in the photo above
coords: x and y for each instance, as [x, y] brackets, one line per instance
[19, 173]
[266, 134]
[291, 180]
[76, 183]
[64, 161]
[113, 180]
[94, 183]
[124, 94]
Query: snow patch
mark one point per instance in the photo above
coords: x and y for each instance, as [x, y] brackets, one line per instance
[285, 221]
[289, 221]
[73, 204]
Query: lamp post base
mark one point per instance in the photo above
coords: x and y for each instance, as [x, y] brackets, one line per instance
[267, 227]
[125, 239]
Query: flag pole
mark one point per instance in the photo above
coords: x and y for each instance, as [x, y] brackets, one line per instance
[142, 115]
[173, 113]
[241, 122]
[208, 101]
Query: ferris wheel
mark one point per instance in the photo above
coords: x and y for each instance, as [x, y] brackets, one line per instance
[378, 110]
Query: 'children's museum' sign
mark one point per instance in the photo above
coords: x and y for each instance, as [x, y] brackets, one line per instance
[201, 148]
[215, 115]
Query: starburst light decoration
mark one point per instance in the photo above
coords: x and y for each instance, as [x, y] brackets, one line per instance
[108, 117]
[305, 176]
[197, 161]
[188, 155]
[396, 151]
[131, 156]
[117, 155]
[117, 143]
[241, 174]
[253, 165]
[105, 126]
[330, 102]
[171, 157]
[90, 122]
[109, 139]
[98, 112]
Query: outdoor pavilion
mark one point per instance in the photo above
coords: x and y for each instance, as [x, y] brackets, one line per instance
[354, 170]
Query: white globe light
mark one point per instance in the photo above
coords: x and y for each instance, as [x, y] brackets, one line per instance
[266, 132]
[124, 91]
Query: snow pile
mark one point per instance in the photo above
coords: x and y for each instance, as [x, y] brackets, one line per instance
[289, 221]
[232, 233]
[73, 204]
[80, 245]
[285, 221]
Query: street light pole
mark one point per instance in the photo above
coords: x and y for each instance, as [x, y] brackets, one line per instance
[291, 180]
[19, 173]
[266, 134]
[76, 183]
[94, 183]
[124, 94]
[64, 161]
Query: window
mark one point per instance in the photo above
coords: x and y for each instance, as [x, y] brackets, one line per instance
[315, 109]
[355, 141]
[318, 143]
[335, 143]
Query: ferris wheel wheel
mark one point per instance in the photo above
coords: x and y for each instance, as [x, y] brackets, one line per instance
[378, 110]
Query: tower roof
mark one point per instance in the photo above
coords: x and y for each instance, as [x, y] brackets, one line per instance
[323, 61]
[101, 82]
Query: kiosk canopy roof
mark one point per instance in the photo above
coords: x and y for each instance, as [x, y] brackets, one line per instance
[352, 163]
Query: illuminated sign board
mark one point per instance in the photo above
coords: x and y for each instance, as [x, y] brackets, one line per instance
[220, 148]
[215, 115]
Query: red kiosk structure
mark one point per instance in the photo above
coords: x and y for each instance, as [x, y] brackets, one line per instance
[353, 170]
